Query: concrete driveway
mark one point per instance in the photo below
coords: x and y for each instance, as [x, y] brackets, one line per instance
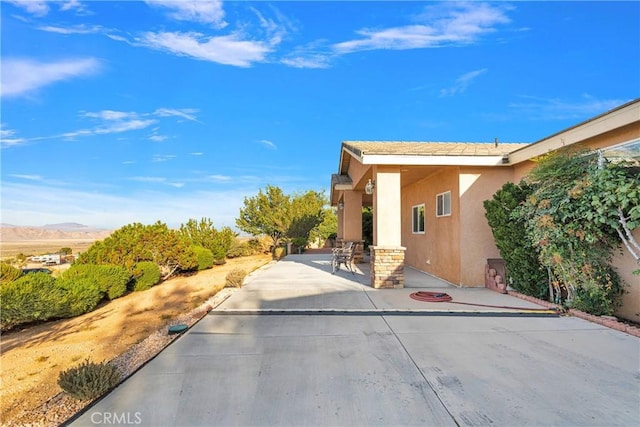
[298, 346]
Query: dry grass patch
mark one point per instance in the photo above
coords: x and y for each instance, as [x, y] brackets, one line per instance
[99, 335]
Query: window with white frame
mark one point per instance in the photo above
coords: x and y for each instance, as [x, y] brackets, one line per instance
[443, 204]
[418, 219]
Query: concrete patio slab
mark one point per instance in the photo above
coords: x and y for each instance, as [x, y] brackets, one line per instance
[369, 368]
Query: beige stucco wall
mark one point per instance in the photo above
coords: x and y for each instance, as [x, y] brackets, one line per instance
[357, 172]
[625, 265]
[476, 239]
[437, 251]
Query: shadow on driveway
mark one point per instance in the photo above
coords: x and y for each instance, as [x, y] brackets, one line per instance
[370, 369]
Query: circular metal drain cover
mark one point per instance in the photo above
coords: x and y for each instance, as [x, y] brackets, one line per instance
[178, 329]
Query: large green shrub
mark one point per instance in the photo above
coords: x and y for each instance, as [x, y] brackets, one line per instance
[137, 242]
[33, 297]
[204, 257]
[600, 296]
[524, 271]
[575, 217]
[146, 274]
[8, 273]
[81, 295]
[89, 380]
[111, 279]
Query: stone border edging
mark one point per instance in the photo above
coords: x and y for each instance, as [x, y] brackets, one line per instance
[606, 321]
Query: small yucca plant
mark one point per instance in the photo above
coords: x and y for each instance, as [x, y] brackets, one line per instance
[235, 278]
[88, 380]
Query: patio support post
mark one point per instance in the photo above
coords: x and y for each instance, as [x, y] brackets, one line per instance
[352, 216]
[387, 254]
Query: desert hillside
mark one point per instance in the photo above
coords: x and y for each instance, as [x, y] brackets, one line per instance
[46, 239]
[51, 232]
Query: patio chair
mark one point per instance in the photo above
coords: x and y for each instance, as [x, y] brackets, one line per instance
[343, 256]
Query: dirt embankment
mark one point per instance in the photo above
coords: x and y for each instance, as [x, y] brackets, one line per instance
[32, 358]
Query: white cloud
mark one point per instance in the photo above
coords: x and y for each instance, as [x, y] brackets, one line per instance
[268, 144]
[185, 113]
[162, 157]
[23, 76]
[538, 108]
[220, 178]
[111, 115]
[158, 138]
[75, 29]
[109, 121]
[197, 154]
[27, 177]
[41, 8]
[37, 8]
[462, 83]
[447, 23]
[310, 61]
[73, 5]
[154, 179]
[203, 11]
[227, 50]
[125, 126]
[8, 138]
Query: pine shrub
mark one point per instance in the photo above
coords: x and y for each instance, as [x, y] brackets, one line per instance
[204, 257]
[9, 273]
[111, 279]
[32, 297]
[235, 278]
[81, 295]
[88, 380]
[146, 274]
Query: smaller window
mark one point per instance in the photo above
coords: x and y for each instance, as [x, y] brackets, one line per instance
[443, 204]
[418, 219]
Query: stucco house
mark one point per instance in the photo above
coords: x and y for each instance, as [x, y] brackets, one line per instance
[427, 198]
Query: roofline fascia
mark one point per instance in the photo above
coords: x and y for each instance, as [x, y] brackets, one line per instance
[618, 117]
[404, 160]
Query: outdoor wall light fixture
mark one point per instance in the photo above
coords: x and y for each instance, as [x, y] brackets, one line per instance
[341, 205]
[369, 187]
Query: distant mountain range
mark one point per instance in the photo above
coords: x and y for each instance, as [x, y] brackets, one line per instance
[62, 231]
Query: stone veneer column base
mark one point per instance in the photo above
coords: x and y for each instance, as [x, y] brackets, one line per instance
[387, 266]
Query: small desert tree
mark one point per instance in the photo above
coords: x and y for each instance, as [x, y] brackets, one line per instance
[269, 213]
[204, 234]
[280, 216]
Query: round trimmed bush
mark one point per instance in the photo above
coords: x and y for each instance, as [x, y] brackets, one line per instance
[204, 257]
[111, 279]
[33, 297]
[146, 275]
[81, 295]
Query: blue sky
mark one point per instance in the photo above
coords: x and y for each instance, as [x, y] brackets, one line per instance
[120, 112]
